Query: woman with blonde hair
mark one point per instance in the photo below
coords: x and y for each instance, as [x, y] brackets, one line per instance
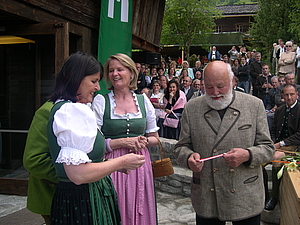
[128, 122]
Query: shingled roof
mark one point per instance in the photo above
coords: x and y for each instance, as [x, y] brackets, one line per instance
[238, 9]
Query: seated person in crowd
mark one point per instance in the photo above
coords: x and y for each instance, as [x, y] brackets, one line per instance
[197, 67]
[153, 76]
[187, 88]
[198, 75]
[288, 79]
[163, 83]
[284, 132]
[235, 86]
[185, 65]
[157, 98]
[197, 86]
[176, 100]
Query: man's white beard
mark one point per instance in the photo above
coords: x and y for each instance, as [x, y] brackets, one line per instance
[221, 103]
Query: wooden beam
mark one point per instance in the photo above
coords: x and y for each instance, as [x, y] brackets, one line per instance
[142, 44]
[61, 44]
[44, 11]
[13, 186]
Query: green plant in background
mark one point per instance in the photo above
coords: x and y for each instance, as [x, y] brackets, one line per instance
[192, 60]
[275, 19]
[188, 22]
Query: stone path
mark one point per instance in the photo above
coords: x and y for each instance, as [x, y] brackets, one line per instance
[171, 209]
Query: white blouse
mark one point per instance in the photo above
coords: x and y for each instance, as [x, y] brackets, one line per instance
[98, 107]
[75, 127]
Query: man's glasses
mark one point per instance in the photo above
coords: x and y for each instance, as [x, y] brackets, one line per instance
[288, 46]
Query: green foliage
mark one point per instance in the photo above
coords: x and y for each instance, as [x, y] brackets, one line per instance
[192, 60]
[273, 21]
[295, 22]
[188, 22]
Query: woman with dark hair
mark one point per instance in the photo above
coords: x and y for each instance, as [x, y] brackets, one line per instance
[171, 73]
[128, 122]
[235, 66]
[85, 193]
[176, 100]
[183, 74]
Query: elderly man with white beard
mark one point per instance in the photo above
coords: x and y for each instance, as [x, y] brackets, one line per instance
[224, 140]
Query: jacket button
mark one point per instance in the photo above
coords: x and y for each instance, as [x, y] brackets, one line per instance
[215, 170]
[233, 190]
[235, 113]
[215, 150]
[212, 189]
[207, 116]
[231, 170]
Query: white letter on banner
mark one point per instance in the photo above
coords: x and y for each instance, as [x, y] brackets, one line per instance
[111, 8]
[124, 11]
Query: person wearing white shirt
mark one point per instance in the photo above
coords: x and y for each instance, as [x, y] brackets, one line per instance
[85, 193]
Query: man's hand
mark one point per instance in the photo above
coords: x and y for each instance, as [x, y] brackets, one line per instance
[277, 145]
[278, 154]
[236, 157]
[193, 164]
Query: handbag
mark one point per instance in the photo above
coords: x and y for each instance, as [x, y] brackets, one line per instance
[171, 122]
[163, 166]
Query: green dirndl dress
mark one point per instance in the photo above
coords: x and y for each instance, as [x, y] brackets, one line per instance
[86, 204]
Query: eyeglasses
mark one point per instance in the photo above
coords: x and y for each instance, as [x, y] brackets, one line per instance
[185, 81]
[288, 46]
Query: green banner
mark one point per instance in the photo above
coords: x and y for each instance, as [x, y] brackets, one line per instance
[115, 33]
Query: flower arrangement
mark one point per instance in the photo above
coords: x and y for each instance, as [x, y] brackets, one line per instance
[291, 163]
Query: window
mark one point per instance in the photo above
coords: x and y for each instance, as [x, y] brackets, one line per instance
[218, 29]
[239, 28]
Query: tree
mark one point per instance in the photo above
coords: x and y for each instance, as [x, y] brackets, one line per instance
[273, 21]
[295, 22]
[188, 22]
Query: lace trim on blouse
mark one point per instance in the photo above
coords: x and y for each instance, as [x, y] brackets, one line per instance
[72, 156]
[114, 105]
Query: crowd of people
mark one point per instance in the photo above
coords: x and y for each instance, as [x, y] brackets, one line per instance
[91, 163]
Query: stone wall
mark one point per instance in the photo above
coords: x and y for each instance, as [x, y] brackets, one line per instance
[177, 183]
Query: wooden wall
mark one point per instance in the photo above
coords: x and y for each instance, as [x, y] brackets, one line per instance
[146, 27]
[147, 19]
[229, 23]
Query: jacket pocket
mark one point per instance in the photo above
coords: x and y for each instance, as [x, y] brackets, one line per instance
[251, 179]
[245, 127]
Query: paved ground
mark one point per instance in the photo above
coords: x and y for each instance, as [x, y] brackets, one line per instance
[172, 210]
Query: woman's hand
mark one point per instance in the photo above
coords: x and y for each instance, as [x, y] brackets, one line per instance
[131, 162]
[168, 111]
[172, 94]
[156, 105]
[136, 144]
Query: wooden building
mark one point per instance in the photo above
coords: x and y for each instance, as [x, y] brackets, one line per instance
[35, 38]
[231, 29]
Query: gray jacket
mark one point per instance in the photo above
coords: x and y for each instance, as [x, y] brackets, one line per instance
[220, 191]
